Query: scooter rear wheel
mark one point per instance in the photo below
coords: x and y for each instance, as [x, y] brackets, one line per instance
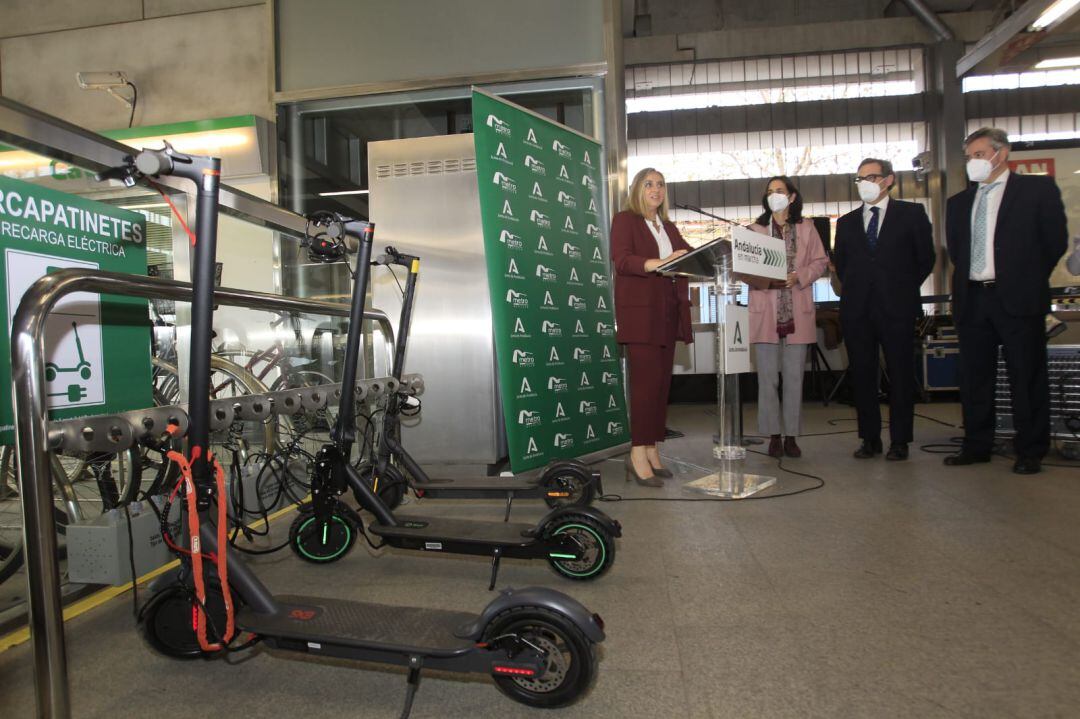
[569, 662]
[596, 544]
[567, 485]
[389, 485]
[165, 621]
[321, 542]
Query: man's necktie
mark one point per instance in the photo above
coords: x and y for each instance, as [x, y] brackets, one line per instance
[978, 231]
[872, 228]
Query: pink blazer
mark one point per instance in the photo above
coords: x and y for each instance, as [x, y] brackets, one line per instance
[810, 264]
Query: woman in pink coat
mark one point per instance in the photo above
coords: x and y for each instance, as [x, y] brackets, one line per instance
[782, 320]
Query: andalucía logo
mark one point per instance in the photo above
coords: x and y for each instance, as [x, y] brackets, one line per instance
[553, 358]
[531, 450]
[537, 193]
[579, 330]
[590, 434]
[614, 428]
[526, 389]
[568, 226]
[519, 332]
[592, 231]
[540, 219]
[574, 253]
[500, 127]
[546, 274]
[605, 330]
[558, 384]
[586, 407]
[607, 356]
[507, 212]
[530, 139]
[542, 247]
[504, 181]
[592, 207]
[551, 329]
[501, 156]
[512, 271]
[528, 419]
[582, 355]
[574, 280]
[600, 304]
[597, 256]
[517, 299]
[609, 378]
[567, 199]
[560, 414]
[599, 280]
[585, 383]
[587, 161]
[612, 405]
[562, 149]
[564, 176]
[523, 358]
[548, 303]
[512, 241]
[564, 440]
[535, 165]
[575, 302]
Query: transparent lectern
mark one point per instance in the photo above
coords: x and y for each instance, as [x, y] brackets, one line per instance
[714, 260]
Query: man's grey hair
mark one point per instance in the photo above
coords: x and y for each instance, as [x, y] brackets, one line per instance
[886, 165]
[998, 138]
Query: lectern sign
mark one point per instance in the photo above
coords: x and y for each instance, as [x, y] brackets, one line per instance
[550, 283]
[757, 254]
[736, 339]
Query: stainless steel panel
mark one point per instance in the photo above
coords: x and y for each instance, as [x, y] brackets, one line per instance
[425, 201]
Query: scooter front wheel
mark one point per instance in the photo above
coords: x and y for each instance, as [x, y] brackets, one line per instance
[569, 660]
[321, 540]
[165, 621]
[568, 486]
[595, 547]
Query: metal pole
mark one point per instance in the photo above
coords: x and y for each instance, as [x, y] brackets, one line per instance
[31, 416]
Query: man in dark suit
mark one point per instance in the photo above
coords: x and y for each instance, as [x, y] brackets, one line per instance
[884, 251]
[1005, 235]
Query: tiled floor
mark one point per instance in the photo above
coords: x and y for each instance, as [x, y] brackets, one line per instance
[897, 590]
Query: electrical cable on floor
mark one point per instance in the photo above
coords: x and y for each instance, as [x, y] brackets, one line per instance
[131, 562]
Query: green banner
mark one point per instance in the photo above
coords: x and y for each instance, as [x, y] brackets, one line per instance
[550, 282]
[97, 347]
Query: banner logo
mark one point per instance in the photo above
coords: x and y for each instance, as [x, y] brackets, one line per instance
[504, 181]
[512, 241]
[523, 358]
[560, 413]
[584, 381]
[600, 304]
[597, 256]
[519, 330]
[592, 206]
[501, 156]
[611, 403]
[582, 355]
[500, 127]
[535, 165]
[546, 274]
[541, 247]
[567, 200]
[574, 253]
[512, 270]
[599, 280]
[579, 330]
[528, 419]
[564, 176]
[577, 303]
[537, 193]
[562, 149]
[592, 231]
[558, 384]
[507, 212]
[573, 277]
[587, 160]
[530, 139]
[588, 182]
[517, 299]
[605, 330]
[551, 329]
[531, 449]
[609, 378]
[586, 407]
[526, 389]
[564, 441]
[590, 433]
[614, 428]
[540, 219]
[606, 356]
[568, 226]
[553, 358]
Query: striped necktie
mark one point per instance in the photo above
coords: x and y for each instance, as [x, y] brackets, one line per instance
[978, 231]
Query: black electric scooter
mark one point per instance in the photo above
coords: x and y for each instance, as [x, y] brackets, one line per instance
[537, 643]
[578, 542]
[562, 483]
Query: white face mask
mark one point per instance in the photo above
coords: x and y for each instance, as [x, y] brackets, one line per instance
[868, 191]
[778, 202]
[978, 170]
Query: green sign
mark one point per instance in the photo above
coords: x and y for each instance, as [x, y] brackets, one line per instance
[97, 347]
[550, 283]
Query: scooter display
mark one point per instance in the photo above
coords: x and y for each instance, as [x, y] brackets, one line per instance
[563, 483]
[537, 644]
[577, 542]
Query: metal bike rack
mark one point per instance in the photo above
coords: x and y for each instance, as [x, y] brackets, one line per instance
[32, 443]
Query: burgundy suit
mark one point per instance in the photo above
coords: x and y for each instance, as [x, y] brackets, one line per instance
[652, 313]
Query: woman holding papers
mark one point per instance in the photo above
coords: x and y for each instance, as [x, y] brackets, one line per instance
[782, 320]
[652, 313]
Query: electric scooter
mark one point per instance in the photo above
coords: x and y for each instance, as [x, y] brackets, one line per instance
[562, 483]
[578, 542]
[537, 643]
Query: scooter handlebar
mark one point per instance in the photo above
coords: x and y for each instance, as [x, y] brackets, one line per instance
[154, 162]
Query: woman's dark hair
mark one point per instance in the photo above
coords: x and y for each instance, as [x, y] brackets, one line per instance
[794, 209]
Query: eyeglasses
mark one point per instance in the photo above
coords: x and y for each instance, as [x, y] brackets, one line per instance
[869, 178]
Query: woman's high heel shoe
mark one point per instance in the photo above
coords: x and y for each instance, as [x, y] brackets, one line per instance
[662, 472]
[643, 481]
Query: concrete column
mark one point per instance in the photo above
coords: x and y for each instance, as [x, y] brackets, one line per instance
[614, 104]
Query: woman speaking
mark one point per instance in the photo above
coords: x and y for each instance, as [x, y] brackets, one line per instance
[652, 312]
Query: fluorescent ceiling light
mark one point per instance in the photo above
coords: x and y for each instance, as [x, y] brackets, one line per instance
[1057, 62]
[343, 192]
[1058, 11]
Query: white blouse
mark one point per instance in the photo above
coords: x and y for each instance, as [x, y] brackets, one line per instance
[662, 240]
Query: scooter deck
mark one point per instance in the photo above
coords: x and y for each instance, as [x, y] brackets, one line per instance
[457, 531]
[495, 486]
[363, 625]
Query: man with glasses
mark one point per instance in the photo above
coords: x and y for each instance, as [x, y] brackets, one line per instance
[1005, 233]
[884, 252]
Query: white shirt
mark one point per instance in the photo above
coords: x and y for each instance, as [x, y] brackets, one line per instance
[866, 215]
[662, 240]
[993, 204]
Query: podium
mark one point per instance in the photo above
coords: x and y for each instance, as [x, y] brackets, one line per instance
[715, 260]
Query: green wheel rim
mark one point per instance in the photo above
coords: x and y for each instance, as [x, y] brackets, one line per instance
[324, 557]
[599, 542]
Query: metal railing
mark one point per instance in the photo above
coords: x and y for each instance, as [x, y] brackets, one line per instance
[52, 691]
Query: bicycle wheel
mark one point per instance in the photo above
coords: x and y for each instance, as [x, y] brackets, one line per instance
[11, 536]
